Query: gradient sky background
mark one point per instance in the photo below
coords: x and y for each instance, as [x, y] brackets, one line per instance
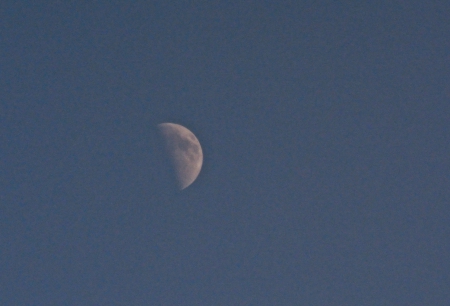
[325, 127]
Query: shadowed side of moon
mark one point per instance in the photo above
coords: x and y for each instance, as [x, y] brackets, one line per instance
[184, 151]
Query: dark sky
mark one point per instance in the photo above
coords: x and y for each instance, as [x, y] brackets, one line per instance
[325, 128]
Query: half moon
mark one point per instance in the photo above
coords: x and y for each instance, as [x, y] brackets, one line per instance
[185, 152]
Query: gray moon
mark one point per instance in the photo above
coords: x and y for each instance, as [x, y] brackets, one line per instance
[185, 152]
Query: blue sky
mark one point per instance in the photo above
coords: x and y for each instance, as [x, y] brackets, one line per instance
[325, 132]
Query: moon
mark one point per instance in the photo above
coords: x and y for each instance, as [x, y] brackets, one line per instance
[185, 152]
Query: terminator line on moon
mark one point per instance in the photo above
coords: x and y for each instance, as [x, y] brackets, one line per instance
[185, 152]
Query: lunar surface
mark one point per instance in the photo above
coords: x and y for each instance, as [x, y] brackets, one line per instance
[185, 152]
